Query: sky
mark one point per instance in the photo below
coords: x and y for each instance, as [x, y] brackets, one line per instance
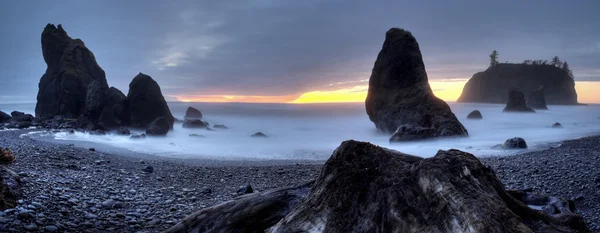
[295, 51]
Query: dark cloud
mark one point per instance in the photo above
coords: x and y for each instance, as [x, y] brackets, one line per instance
[273, 47]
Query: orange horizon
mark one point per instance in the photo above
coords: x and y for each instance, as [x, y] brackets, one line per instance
[448, 90]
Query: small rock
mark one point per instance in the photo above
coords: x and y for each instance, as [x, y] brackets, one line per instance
[92, 149]
[148, 169]
[557, 125]
[259, 135]
[51, 228]
[31, 227]
[245, 190]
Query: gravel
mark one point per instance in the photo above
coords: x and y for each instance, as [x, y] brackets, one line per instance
[74, 189]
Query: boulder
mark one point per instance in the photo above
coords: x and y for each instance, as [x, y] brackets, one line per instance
[514, 143]
[258, 135]
[366, 188]
[476, 114]
[537, 99]
[399, 92]
[4, 117]
[10, 188]
[192, 113]
[493, 85]
[6, 156]
[146, 102]
[406, 133]
[557, 125]
[71, 67]
[21, 116]
[194, 124]
[159, 127]
[516, 102]
[115, 112]
[245, 190]
[220, 127]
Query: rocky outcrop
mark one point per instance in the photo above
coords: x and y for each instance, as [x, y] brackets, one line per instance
[366, 188]
[4, 117]
[492, 85]
[158, 127]
[476, 114]
[94, 104]
[406, 133]
[194, 124]
[516, 102]
[21, 116]
[10, 188]
[192, 113]
[146, 102]
[399, 92]
[71, 69]
[115, 113]
[514, 143]
[537, 99]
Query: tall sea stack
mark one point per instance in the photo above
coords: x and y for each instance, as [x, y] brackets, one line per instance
[71, 68]
[400, 96]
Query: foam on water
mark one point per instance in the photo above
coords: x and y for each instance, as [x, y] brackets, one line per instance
[312, 132]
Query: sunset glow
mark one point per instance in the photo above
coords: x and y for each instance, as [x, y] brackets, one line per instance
[448, 90]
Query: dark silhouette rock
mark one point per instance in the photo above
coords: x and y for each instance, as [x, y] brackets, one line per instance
[412, 133]
[6, 156]
[220, 127]
[367, 188]
[21, 116]
[115, 112]
[516, 102]
[557, 125]
[537, 99]
[138, 136]
[514, 143]
[492, 85]
[399, 92]
[259, 135]
[24, 124]
[146, 102]
[192, 113]
[71, 68]
[148, 169]
[245, 190]
[10, 188]
[194, 124]
[94, 104]
[123, 131]
[158, 127]
[476, 114]
[4, 117]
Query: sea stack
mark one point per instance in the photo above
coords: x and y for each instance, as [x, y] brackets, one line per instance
[493, 84]
[71, 67]
[192, 113]
[516, 102]
[399, 92]
[146, 102]
[537, 99]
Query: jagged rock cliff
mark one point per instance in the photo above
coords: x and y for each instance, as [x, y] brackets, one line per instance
[71, 68]
[493, 85]
[400, 97]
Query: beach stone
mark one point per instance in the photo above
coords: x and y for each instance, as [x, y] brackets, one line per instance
[194, 124]
[399, 93]
[31, 227]
[10, 188]
[220, 127]
[516, 102]
[6, 156]
[71, 67]
[515, 143]
[146, 103]
[259, 135]
[158, 127]
[51, 228]
[556, 125]
[245, 190]
[475, 114]
[192, 113]
[148, 169]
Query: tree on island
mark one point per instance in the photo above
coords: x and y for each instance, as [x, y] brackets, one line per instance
[565, 67]
[494, 58]
[556, 62]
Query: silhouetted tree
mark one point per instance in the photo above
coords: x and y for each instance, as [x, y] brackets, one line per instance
[565, 67]
[494, 58]
[556, 62]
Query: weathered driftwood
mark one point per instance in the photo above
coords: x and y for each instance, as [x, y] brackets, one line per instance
[366, 188]
[248, 213]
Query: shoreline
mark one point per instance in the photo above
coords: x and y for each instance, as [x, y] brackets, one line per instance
[79, 190]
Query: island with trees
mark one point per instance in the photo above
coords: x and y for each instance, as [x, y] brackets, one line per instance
[555, 77]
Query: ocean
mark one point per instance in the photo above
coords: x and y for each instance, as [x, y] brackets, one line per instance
[313, 131]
